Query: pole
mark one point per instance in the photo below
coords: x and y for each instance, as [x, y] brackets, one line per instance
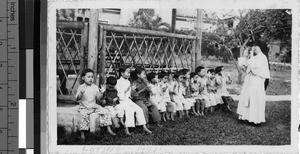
[174, 11]
[199, 38]
[93, 42]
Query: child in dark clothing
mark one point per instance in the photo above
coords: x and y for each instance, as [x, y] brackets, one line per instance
[111, 102]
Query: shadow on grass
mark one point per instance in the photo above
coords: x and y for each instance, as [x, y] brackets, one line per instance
[218, 128]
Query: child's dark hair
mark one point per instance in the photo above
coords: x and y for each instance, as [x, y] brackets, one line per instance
[211, 71]
[198, 69]
[162, 74]
[193, 74]
[184, 71]
[138, 70]
[111, 80]
[122, 69]
[151, 76]
[135, 73]
[218, 70]
[177, 74]
[83, 73]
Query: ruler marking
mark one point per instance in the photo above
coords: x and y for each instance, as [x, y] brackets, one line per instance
[7, 74]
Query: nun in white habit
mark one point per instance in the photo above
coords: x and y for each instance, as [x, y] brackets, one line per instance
[252, 100]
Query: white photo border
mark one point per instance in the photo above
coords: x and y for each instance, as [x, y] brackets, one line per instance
[51, 96]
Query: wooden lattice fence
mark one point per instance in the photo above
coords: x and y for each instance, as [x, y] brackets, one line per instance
[152, 50]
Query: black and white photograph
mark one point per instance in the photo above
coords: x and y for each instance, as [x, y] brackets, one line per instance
[158, 78]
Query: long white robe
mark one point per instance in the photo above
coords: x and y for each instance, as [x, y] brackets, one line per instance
[252, 99]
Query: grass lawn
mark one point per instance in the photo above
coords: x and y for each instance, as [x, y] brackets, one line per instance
[216, 129]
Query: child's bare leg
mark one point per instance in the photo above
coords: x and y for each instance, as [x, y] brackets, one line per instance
[198, 106]
[168, 116]
[187, 113]
[82, 135]
[146, 129]
[212, 109]
[193, 110]
[163, 115]
[110, 131]
[127, 131]
[122, 121]
[115, 122]
[180, 114]
[172, 116]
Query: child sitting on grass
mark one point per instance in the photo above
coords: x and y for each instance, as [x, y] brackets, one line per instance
[133, 113]
[155, 95]
[87, 95]
[111, 102]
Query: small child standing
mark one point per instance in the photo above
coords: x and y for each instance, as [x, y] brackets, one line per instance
[155, 95]
[164, 91]
[111, 102]
[132, 110]
[87, 95]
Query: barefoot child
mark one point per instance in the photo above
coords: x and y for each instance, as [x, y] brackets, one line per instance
[178, 95]
[202, 81]
[221, 84]
[187, 93]
[87, 94]
[111, 102]
[164, 90]
[141, 96]
[195, 93]
[155, 95]
[211, 89]
[133, 113]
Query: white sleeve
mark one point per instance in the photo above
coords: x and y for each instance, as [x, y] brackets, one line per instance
[121, 91]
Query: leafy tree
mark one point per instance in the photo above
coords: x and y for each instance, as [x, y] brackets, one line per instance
[147, 19]
[65, 15]
[267, 25]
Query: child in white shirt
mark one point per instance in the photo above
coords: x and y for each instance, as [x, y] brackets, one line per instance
[132, 110]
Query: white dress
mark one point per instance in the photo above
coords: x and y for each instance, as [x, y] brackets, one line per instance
[252, 99]
[156, 98]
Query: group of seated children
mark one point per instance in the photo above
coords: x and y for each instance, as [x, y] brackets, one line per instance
[161, 96]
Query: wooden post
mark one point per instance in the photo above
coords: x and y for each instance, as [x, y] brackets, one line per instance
[173, 28]
[84, 37]
[102, 49]
[173, 20]
[199, 37]
[193, 56]
[93, 42]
